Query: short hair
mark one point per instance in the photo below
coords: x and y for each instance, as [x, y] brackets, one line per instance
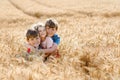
[51, 23]
[31, 34]
[38, 25]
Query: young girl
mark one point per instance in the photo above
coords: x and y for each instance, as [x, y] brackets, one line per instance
[46, 41]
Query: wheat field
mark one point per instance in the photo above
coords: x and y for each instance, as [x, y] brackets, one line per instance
[90, 39]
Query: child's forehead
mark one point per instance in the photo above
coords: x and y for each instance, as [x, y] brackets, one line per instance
[34, 37]
[51, 27]
[31, 38]
[41, 28]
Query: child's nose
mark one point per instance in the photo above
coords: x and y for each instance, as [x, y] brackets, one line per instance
[38, 40]
[50, 30]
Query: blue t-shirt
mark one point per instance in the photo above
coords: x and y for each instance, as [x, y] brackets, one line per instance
[56, 39]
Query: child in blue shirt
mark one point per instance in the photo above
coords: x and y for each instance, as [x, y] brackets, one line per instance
[56, 39]
[51, 26]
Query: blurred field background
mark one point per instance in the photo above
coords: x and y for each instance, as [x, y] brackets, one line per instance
[90, 39]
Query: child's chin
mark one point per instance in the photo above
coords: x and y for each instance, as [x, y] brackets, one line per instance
[50, 35]
[43, 36]
[36, 45]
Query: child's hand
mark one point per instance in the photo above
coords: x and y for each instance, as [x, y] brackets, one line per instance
[47, 54]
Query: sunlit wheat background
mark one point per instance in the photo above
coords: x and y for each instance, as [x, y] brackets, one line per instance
[90, 39]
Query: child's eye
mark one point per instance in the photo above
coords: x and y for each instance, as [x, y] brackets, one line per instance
[53, 29]
[37, 38]
[47, 27]
[39, 30]
[32, 39]
[44, 30]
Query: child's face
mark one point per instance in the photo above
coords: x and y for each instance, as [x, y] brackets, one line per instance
[50, 31]
[42, 31]
[34, 41]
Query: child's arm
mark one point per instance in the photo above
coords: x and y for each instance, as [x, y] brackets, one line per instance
[50, 50]
[49, 42]
[56, 39]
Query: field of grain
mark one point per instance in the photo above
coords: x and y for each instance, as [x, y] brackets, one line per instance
[90, 39]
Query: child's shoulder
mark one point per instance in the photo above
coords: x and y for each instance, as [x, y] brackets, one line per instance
[28, 46]
[55, 35]
[49, 38]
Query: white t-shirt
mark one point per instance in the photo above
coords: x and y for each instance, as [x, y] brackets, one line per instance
[48, 43]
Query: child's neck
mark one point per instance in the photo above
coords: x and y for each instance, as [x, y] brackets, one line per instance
[30, 45]
[42, 39]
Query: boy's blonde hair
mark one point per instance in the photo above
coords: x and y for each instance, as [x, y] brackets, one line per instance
[51, 23]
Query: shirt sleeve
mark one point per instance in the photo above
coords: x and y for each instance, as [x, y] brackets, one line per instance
[57, 40]
[49, 42]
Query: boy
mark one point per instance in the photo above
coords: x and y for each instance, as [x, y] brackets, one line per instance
[51, 26]
[33, 42]
[33, 39]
